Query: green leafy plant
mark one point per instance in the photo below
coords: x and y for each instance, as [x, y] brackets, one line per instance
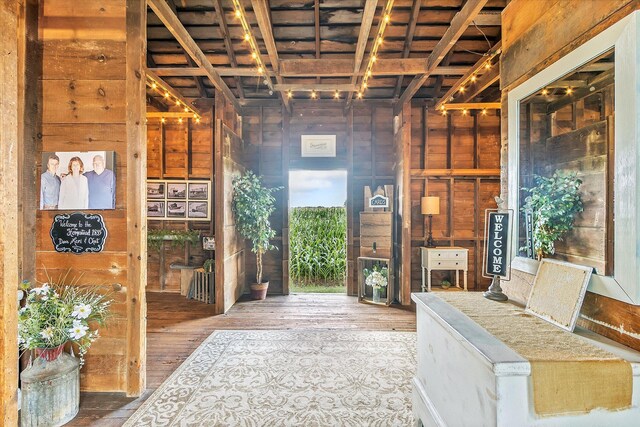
[208, 265]
[318, 244]
[253, 204]
[445, 284]
[178, 238]
[554, 202]
[55, 314]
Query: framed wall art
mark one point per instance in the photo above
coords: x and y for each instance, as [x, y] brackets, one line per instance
[318, 145]
[178, 200]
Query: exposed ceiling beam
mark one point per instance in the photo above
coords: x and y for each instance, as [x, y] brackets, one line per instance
[224, 29]
[437, 87]
[318, 87]
[168, 115]
[488, 19]
[322, 68]
[261, 10]
[459, 24]
[474, 106]
[173, 92]
[411, 29]
[173, 24]
[316, 19]
[156, 104]
[363, 37]
[477, 68]
[481, 84]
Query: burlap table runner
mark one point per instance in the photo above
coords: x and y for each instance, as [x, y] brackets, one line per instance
[569, 375]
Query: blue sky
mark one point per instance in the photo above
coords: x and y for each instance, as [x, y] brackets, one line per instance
[317, 188]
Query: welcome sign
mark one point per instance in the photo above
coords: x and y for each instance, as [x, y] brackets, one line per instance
[497, 249]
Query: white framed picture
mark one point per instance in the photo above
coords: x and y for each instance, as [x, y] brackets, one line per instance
[179, 200]
[318, 145]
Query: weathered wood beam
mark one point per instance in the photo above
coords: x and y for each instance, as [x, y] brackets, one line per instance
[477, 67]
[459, 24]
[437, 87]
[363, 37]
[173, 24]
[156, 104]
[318, 87]
[486, 80]
[174, 93]
[316, 22]
[411, 29]
[599, 82]
[474, 106]
[488, 19]
[224, 29]
[168, 115]
[432, 173]
[261, 10]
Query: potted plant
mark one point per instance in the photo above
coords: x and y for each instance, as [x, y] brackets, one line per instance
[53, 316]
[253, 204]
[554, 203]
[377, 278]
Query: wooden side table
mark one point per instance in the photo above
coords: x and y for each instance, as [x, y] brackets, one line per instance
[444, 258]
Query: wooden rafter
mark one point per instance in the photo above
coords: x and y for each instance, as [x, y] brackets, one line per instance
[411, 29]
[316, 19]
[318, 87]
[437, 87]
[481, 84]
[363, 37]
[173, 24]
[477, 67]
[224, 29]
[261, 10]
[459, 24]
[172, 91]
[474, 106]
[322, 68]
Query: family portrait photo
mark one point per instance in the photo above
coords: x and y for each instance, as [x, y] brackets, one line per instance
[78, 180]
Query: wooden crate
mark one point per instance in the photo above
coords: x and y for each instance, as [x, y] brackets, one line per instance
[376, 227]
[365, 293]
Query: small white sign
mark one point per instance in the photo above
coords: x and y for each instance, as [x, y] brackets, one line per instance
[379, 201]
[318, 145]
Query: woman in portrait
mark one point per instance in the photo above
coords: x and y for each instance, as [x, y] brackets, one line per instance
[74, 189]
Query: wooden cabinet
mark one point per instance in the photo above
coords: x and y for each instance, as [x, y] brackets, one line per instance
[376, 230]
[444, 258]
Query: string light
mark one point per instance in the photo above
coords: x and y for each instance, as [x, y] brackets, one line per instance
[180, 120]
[313, 94]
[462, 89]
[545, 92]
[290, 94]
[336, 95]
[464, 112]
[379, 40]
[484, 111]
[569, 91]
[474, 78]
[166, 94]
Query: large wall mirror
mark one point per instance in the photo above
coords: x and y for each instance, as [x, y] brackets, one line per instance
[580, 115]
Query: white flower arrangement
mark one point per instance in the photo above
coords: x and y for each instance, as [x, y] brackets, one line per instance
[56, 314]
[377, 277]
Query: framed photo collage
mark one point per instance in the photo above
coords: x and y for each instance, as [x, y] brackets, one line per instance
[178, 200]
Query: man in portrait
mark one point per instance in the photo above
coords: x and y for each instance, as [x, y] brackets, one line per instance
[50, 184]
[102, 185]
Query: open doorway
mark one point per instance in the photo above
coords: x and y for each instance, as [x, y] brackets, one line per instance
[317, 231]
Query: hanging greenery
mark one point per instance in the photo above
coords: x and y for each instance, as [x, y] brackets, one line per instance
[554, 202]
[178, 238]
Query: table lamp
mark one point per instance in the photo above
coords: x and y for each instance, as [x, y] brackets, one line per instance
[430, 205]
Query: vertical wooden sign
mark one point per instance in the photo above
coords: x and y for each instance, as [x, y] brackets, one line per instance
[497, 247]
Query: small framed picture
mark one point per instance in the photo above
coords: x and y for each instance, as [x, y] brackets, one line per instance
[208, 243]
[176, 190]
[199, 210]
[155, 209]
[155, 190]
[318, 146]
[198, 191]
[176, 209]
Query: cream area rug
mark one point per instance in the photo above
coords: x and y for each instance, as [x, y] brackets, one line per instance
[289, 378]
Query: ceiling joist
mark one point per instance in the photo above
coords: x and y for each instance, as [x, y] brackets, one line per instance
[173, 24]
[458, 26]
[224, 29]
[363, 37]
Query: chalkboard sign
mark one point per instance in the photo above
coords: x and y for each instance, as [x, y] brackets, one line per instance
[528, 227]
[497, 247]
[78, 233]
[379, 202]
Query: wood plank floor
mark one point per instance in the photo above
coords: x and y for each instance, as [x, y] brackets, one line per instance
[176, 326]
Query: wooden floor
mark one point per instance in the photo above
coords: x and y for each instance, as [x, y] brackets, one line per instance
[176, 326]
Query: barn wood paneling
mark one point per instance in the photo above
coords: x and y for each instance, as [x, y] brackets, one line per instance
[364, 137]
[455, 157]
[187, 147]
[92, 56]
[529, 45]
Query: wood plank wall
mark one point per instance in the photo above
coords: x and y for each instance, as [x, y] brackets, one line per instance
[228, 163]
[9, 194]
[364, 148]
[536, 34]
[92, 98]
[457, 158]
[178, 151]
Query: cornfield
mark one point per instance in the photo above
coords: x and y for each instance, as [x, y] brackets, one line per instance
[317, 244]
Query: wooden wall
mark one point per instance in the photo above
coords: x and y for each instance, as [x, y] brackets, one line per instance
[178, 151]
[9, 194]
[92, 98]
[457, 158]
[536, 34]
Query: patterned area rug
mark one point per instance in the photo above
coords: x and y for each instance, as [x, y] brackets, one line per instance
[289, 378]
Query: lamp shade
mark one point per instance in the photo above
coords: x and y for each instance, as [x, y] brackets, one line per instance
[430, 205]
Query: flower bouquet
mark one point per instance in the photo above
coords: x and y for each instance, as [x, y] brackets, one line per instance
[57, 314]
[377, 278]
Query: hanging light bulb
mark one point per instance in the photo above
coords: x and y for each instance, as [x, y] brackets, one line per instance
[484, 111]
[254, 55]
[238, 13]
[545, 91]
[487, 65]
[163, 120]
[186, 109]
[247, 37]
[260, 69]
[198, 120]
[387, 18]
[336, 95]
[474, 78]
[166, 94]
[313, 94]
[359, 95]
[461, 90]
[569, 91]
[289, 94]
[444, 112]
[178, 102]
[380, 40]
[180, 120]
[154, 85]
[464, 112]
[373, 58]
